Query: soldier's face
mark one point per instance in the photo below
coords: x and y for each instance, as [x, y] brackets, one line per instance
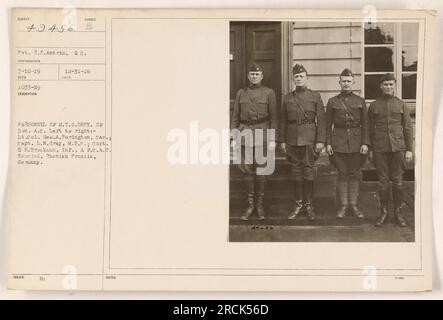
[300, 79]
[387, 87]
[346, 82]
[255, 77]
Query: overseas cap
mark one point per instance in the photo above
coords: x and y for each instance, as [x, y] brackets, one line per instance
[255, 67]
[346, 73]
[387, 77]
[298, 68]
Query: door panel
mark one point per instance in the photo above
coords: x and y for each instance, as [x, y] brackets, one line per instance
[237, 58]
[263, 46]
[258, 42]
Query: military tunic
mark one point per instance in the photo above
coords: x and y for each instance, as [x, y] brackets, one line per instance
[255, 108]
[302, 125]
[391, 135]
[347, 129]
[390, 125]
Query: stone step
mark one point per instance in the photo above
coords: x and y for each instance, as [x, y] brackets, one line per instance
[282, 166]
[324, 190]
[278, 211]
[283, 169]
[287, 184]
[238, 200]
[280, 183]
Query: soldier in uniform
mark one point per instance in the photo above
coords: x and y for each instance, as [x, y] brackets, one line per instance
[255, 109]
[302, 137]
[391, 145]
[347, 141]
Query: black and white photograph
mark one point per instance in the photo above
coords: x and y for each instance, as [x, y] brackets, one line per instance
[322, 116]
[230, 150]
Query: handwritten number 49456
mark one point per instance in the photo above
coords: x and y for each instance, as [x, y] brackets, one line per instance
[44, 28]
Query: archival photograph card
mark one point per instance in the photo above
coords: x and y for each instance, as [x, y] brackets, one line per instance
[221, 150]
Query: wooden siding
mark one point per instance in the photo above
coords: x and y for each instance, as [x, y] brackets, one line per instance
[325, 49]
[333, 35]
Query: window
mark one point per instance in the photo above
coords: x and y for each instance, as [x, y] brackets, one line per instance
[393, 48]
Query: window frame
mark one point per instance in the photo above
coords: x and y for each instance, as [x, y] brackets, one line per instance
[397, 46]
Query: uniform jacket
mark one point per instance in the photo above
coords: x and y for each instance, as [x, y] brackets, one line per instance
[255, 103]
[390, 125]
[296, 128]
[347, 124]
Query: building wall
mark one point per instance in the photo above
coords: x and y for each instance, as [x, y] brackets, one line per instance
[325, 49]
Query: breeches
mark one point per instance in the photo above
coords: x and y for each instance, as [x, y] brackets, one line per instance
[348, 165]
[302, 160]
[390, 166]
[250, 162]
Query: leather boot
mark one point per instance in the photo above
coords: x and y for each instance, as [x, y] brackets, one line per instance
[250, 200]
[397, 194]
[384, 196]
[342, 191]
[260, 191]
[298, 207]
[401, 221]
[353, 195]
[308, 187]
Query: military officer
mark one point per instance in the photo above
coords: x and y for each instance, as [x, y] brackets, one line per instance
[391, 145]
[302, 137]
[255, 109]
[347, 141]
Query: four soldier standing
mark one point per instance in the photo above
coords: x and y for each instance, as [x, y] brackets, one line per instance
[346, 127]
[302, 137]
[347, 141]
[255, 109]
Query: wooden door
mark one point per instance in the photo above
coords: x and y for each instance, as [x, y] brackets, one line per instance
[258, 42]
[237, 51]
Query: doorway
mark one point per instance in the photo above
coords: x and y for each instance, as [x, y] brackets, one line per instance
[258, 42]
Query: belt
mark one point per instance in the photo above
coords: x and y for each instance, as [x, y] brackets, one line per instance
[388, 126]
[337, 126]
[301, 121]
[250, 122]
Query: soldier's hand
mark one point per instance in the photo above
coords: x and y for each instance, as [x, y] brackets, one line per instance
[329, 150]
[408, 156]
[283, 146]
[319, 147]
[272, 145]
[364, 149]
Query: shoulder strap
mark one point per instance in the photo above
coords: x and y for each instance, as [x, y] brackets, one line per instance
[251, 101]
[345, 108]
[247, 94]
[299, 105]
